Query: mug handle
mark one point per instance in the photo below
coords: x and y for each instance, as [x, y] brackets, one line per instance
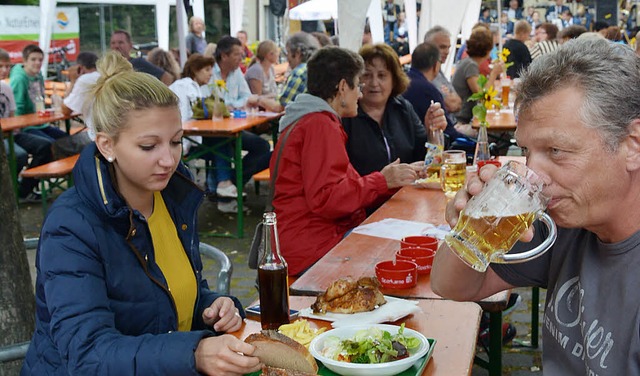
[537, 251]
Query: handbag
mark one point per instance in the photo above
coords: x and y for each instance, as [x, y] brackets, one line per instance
[257, 249]
[206, 107]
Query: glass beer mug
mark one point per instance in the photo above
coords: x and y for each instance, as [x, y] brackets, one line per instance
[494, 220]
[453, 171]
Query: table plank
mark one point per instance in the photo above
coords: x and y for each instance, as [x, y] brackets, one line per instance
[356, 255]
[224, 127]
[499, 121]
[24, 121]
[231, 128]
[454, 325]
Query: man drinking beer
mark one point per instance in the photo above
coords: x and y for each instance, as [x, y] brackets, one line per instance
[579, 127]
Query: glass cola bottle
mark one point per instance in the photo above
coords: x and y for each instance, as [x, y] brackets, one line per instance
[273, 279]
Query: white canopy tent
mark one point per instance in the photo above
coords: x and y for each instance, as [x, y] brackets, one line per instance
[350, 18]
[456, 16]
[162, 8]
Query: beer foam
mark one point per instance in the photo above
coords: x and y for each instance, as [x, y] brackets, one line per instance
[500, 200]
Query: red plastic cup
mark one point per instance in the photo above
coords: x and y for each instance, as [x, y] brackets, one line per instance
[494, 162]
[422, 257]
[420, 241]
[397, 274]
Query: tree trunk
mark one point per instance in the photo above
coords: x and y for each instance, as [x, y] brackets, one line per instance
[17, 302]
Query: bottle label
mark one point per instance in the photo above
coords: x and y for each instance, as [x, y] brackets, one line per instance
[434, 154]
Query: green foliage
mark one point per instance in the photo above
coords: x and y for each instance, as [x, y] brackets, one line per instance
[485, 98]
[20, 2]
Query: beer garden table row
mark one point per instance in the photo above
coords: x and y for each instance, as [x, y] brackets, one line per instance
[502, 124]
[16, 123]
[231, 129]
[356, 255]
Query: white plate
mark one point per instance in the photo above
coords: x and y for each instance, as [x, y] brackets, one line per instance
[381, 369]
[393, 310]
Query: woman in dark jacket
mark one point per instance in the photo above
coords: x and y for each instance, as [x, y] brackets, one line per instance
[119, 289]
[386, 127]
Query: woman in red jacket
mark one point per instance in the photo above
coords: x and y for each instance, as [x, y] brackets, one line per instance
[318, 195]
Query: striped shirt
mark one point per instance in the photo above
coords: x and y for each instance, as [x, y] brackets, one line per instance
[543, 47]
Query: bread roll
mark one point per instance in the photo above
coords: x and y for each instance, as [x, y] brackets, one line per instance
[277, 350]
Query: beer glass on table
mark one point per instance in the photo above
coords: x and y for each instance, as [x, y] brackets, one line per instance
[494, 220]
[453, 171]
[506, 88]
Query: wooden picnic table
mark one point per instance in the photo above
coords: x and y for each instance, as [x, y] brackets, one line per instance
[229, 128]
[15, 123]
[356, 255]
[454, 325]
[499, 121]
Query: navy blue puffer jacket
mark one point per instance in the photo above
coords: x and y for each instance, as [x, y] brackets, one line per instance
[103, 307]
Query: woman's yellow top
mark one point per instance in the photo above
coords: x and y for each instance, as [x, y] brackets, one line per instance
[173, 262]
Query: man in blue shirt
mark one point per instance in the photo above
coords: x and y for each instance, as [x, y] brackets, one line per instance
[236, 95]
[121, 42]
[425, 65]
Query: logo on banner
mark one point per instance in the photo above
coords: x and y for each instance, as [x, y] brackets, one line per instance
[62, 20]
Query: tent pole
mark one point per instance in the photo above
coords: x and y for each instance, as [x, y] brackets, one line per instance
[499, 25]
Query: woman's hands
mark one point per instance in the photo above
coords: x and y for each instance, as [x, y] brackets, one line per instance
[399, 174]
[434, 118]
[222, 315]
[225, 355]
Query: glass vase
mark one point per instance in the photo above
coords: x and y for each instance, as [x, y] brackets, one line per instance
[218, 110]
[482, 145]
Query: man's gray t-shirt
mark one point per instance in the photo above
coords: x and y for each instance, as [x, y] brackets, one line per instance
[466, 68]
[439, 82]
[592, 316]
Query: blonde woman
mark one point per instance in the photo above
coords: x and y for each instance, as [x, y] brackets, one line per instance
[261, 76]
[119, 285]
[195, 39]
[165, 60]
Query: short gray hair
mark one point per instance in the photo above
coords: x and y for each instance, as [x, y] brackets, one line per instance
[428, 36]
[304, 43]
[608, 74]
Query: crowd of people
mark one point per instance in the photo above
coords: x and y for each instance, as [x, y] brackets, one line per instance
[353, 132]
[558, 21]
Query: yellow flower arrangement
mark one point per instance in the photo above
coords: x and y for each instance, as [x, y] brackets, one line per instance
[486, 98]
[504, 56]
[221, 84]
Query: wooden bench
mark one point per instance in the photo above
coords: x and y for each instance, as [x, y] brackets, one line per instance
[54, 173]
[263, 175]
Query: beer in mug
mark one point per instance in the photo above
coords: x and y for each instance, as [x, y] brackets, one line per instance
[494, 220]
[453, 171]
[506, 88]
